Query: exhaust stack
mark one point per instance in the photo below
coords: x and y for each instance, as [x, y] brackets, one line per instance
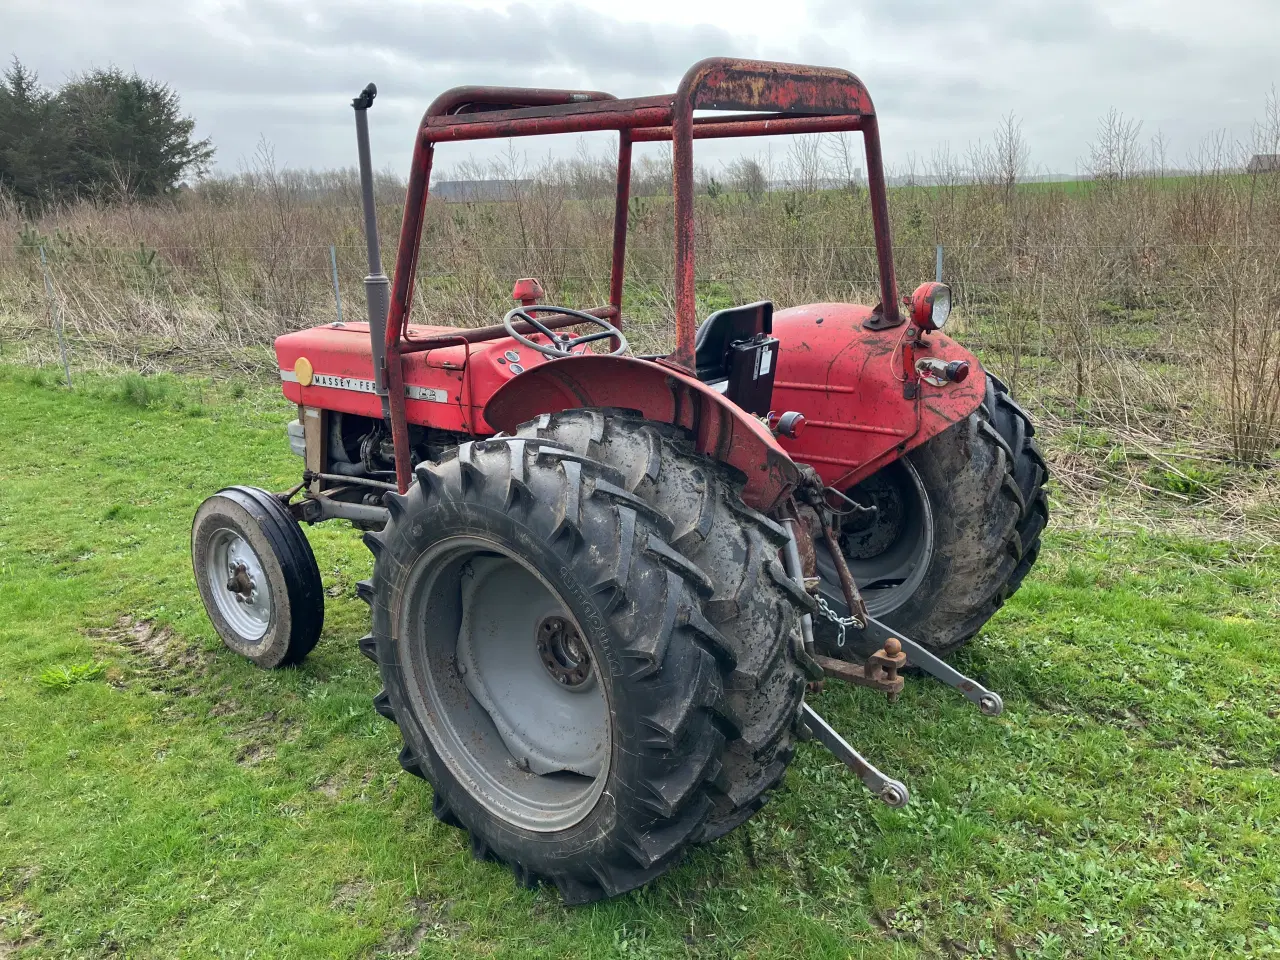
[377, 287]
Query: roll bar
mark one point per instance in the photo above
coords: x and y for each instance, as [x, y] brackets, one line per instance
[773, 98]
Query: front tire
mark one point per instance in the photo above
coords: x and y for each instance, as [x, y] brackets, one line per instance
[257, 576]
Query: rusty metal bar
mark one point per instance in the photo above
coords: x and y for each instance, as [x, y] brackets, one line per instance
[455, 101]
[710, 128]
[541, 126]
[620, 211]
[852, 599]
[548, 111]
[682, 188]
[734, 83]
[871, 675]
[879, 197]
[415, 206]
[575, 118]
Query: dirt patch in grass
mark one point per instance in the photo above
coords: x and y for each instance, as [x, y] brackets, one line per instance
[158, 651]
[252, 754]
[349, 895]
[224, 708]
[19, 924]
[259, 738]
[433, 920]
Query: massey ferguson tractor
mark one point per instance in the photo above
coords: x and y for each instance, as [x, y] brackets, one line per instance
[603, 583]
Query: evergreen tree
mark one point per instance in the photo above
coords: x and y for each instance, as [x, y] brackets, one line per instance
[127, 135]
[104, 134]
[31, 143]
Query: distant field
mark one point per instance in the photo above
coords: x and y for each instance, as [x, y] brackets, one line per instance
[161, 798]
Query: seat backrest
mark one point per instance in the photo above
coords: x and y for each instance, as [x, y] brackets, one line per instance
[725, 327]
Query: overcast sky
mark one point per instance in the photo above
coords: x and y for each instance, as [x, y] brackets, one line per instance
[941, 72]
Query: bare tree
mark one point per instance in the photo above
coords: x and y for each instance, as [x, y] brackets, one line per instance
[1115, 155]
[842, 151]
[746, 175]
[805, 164]
[1009, 155]
[1158, 155]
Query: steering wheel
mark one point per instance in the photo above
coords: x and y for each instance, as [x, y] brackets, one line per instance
[561, 344]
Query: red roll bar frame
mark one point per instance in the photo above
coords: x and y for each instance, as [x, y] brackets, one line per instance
[774, 98]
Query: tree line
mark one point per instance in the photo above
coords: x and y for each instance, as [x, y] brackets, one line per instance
[102, 135]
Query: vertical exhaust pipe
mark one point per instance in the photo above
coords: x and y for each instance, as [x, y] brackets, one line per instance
[377, 287]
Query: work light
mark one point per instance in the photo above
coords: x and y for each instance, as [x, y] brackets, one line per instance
[931, 305]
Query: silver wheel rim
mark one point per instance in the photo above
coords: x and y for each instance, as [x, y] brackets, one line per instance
[238, 582]
[500, 675]
[888, 579]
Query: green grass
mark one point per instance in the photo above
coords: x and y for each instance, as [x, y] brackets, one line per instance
[163, 798]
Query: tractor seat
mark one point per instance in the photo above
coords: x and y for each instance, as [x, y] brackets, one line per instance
[735, 354]
[721, 330]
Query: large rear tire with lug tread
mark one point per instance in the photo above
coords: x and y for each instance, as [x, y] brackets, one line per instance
[751, 603]
[257, 576]
[981, 509]
[543, 651]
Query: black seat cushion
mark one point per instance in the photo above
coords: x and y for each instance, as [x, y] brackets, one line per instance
[725, 327]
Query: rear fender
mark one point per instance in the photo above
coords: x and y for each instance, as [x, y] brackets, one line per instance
[721, 429]
[844, 378]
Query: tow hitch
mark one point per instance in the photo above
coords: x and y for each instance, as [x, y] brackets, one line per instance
[881, 672]
[988, 701]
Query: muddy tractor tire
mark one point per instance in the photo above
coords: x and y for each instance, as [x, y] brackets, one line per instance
[544, 649]
[957, 528]
[748, 599]
[257, 576]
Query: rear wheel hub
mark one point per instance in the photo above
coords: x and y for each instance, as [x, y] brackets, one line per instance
[527, 728]
[562, 651]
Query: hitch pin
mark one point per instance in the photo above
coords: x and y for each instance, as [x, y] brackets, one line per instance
[989, 702]
[893, 792]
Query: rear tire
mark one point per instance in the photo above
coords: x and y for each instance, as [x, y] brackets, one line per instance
[984, 479]
[749, 602]
[603, 559]
[257, 576]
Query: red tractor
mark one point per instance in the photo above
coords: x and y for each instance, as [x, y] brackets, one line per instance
[603, 583]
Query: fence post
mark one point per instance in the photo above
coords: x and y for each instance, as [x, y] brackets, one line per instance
[56, 314]
[337, 294]
[937, 272]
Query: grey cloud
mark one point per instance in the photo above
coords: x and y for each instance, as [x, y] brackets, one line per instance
[287, 69]
[938, 70]
[954, 69]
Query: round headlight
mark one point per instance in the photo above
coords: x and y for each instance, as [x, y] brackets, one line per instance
[931, 305]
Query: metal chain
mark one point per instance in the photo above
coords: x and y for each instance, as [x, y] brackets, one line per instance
[844, 623]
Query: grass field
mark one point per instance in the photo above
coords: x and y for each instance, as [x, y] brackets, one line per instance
[159, 797]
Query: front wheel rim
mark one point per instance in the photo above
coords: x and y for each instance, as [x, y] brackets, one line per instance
[505, 685]
[237, 581]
